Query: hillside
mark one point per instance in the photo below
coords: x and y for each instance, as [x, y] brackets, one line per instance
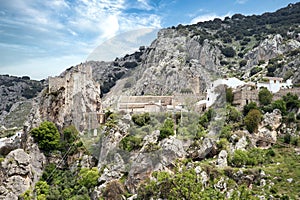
[137, 127]
[16, 94]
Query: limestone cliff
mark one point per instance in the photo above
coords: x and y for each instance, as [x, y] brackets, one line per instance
[73, 98]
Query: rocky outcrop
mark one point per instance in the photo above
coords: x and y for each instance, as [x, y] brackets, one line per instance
[73, 98]
[20, 171]
[267, 130]
[222, 159]
[200, 151]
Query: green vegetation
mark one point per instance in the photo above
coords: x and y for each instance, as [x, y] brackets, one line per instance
[167, 129]
[229, 95]
[228, 52]
[131, 142]
[265, 96]
[248, 107]
[252, 119]
[47, 136]
[141, 119]
[60, 184]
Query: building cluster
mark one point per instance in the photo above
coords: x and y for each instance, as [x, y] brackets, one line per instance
[244, 92]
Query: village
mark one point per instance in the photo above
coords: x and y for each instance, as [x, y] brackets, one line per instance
[243, 92]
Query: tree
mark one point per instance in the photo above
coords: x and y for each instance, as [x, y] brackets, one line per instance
[229, 95]
[292, 101]
[252, 120]
[265, 96]
[88, 177]
[70, 134]
[228, 52]
[248, 107]
[47, 136]
[279, 104]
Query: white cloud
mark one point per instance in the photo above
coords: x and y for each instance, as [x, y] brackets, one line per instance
[208, 17]
[60, 28]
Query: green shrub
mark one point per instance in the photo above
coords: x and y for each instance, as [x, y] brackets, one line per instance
[248, 107]
[229, 95]
[292, 101]
[265, 96]
[141, 119]
[131, 142]
[239, 158]
[167, 129]
[279, 104]
[226, 132]
[228, 52]
[41, 190]
[206, 118]
[47, 136]
[70, 134]
[88, 177]
[252, 120]
[232, 114]
[255, 70]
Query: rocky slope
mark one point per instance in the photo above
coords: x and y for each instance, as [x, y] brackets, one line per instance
[16, 94]
[186, 155]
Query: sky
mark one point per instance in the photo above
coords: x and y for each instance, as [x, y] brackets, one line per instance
[41, 38]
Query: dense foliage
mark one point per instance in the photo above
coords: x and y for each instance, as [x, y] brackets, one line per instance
[47, 136]
[265, 96]
[252, 119]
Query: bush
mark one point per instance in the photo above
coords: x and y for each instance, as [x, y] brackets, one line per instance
[292, 101]
[248, 107]
[88, 177]
[239, 158]
[255, 70]
[279, 104]
[252, 120]
[229, 95]
[228, 52]
[130, 143]
[70, 134]
[167, 129]
[232, 114]
[243, 63]
[265, 96]
[47, 136]
[141, 119]
[41, 190]
[206, 118]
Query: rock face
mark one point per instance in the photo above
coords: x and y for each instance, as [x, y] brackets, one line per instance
[14, 91]
[267, 131]
[20, 171]
[73, 98]
[208, 146]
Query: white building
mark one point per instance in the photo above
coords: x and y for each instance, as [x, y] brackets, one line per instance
[275, 84]
[212, 94]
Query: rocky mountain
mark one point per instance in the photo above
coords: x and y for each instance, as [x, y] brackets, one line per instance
[16, 95]
[71, 149]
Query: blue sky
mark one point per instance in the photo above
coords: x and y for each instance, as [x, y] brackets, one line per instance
[43, 37]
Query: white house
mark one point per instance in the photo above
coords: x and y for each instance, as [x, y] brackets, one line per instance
[275, 84]
[211, 95]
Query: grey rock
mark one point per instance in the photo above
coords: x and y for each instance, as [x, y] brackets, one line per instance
[242, 143]
[202, 150]
[290, 180]
[222, 159]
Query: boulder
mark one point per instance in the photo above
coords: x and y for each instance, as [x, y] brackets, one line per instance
[222, 159]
